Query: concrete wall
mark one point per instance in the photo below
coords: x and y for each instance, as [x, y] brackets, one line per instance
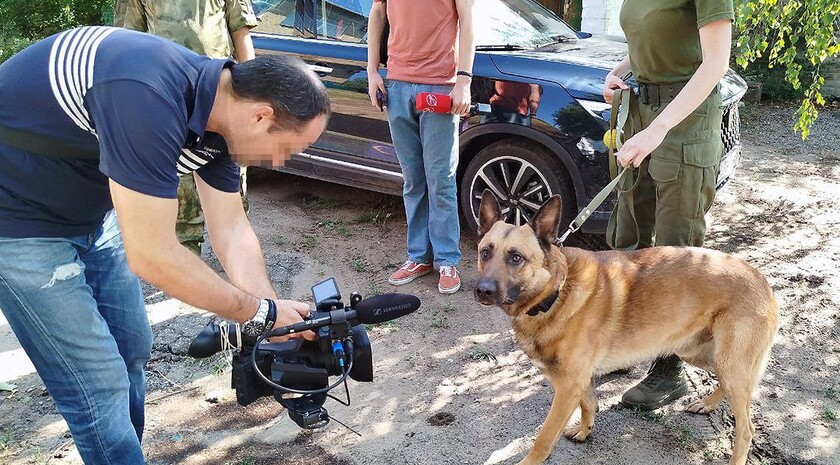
[831, 88]
[601, 17]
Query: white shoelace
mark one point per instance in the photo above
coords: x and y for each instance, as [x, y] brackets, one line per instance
[448, 271]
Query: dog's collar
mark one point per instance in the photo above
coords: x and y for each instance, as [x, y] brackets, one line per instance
[545, 305]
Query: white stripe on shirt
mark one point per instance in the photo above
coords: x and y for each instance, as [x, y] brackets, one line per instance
[71, 70]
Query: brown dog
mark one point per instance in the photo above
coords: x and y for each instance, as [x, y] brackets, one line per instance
[579, 313]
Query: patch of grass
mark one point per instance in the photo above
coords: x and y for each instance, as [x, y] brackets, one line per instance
[388, 325]
[220, 366]
[309, 242]
[684, 436]
[717, 449]
[367, 217]
[281, 241]
[343, 230]
[244, 461]
[439, 321]
[373, 217]
[480, 353]
[449, 306]
[832, 393]
[338, 226]
[5, 440]
[358, 263]
[829, 415]
[373, 288]
[315, 203]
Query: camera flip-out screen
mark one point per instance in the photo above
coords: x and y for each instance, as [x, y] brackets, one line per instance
[325, 290]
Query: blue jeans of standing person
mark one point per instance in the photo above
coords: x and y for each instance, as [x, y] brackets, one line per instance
[427, 149]
[79, 314]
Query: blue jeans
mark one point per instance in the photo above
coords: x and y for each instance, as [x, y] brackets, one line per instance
[427, 149]
[79, 314]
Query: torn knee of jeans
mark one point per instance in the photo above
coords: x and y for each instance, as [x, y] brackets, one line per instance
[63, 273]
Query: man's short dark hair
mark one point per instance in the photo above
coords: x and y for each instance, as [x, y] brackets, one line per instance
[287, 84]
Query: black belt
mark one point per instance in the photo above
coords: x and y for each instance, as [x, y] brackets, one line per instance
[43, 145]
[653, 94]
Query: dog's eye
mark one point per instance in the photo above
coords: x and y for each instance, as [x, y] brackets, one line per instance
[485, 254]
[516, 259]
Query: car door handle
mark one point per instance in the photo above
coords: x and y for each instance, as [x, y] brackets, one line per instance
[321, 69]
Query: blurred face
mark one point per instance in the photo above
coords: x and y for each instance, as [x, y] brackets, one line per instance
[256, 141]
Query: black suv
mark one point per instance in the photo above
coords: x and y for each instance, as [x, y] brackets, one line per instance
[523, 152]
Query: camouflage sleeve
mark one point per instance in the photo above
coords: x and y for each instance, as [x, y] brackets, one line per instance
[130, 15]
[239, 14]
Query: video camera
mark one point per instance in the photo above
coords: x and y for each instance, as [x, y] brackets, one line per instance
[296, 372]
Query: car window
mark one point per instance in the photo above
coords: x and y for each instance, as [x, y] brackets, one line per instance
[344, 20]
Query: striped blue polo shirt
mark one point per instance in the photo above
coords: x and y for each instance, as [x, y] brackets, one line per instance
[139, 101]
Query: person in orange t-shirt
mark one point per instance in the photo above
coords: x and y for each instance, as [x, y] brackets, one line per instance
[436, 55]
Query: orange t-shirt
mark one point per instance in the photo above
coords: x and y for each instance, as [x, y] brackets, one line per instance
[423, 40]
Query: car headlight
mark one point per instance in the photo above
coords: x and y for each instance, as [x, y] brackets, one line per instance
[598, 109]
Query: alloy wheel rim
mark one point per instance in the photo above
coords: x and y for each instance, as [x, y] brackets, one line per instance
[517, 184]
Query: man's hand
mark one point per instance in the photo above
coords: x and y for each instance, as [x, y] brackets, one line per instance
[375, 83]
[290, 312]
[640, 146]
[461, 98]
[611, 83]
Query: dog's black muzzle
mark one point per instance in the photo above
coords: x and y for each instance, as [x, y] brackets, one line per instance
[486, 291]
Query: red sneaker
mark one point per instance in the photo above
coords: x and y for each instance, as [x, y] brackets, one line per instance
[450, 280]
[409, 272]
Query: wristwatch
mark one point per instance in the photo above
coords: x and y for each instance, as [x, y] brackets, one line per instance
[262, 321]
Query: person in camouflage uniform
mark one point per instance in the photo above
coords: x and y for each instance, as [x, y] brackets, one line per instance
[216, 28]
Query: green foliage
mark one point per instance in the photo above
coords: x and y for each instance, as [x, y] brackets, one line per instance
[23, 22]
[798, 36]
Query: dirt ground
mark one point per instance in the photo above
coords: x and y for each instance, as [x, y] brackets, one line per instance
[450, 385]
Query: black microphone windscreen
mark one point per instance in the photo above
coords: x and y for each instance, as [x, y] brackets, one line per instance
[385, 307]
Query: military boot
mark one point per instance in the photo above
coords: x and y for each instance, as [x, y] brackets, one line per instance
[664, 384]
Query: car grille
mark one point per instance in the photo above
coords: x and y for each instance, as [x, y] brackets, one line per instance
[730, 127]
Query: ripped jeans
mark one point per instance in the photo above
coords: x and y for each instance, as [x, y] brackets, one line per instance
[79, 314]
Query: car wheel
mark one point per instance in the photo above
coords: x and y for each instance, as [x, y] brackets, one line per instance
[522, 176]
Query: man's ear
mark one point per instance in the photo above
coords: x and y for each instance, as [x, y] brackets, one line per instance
[488, 212]
[547, 220]
[262, 111]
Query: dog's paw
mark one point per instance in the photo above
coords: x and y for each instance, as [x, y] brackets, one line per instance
[699, 407]
[577, 433]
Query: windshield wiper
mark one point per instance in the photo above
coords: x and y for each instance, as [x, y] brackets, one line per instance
[558, 39]
[499, 47]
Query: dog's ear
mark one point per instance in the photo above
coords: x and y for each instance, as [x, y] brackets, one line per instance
[547, 220]
[488, 212]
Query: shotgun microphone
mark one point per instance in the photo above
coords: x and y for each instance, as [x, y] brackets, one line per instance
[371, 311]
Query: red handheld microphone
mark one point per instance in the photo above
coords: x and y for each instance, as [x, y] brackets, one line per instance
[442, 103]
[435, 103]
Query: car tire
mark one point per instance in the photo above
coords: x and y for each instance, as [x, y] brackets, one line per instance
[522, 175]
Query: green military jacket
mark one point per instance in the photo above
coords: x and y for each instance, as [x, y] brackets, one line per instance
[203, 26]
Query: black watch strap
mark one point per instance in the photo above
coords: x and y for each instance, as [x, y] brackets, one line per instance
[464, 73]
[271, 316]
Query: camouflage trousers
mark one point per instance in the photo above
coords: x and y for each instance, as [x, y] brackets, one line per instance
[189, 226]
[677, 185]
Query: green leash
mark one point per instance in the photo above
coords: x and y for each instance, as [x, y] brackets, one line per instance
[618, 118]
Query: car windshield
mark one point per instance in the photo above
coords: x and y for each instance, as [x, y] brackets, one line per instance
[520, 23]
[498, 23]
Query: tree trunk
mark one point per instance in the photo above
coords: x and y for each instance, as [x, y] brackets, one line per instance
[572, 12]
